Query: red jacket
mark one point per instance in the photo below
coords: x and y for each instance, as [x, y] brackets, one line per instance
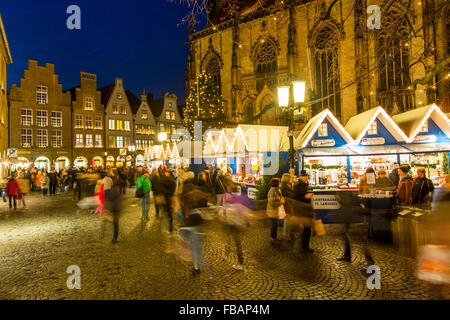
[12, 188]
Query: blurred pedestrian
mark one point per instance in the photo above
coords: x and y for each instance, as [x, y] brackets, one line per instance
[12, 190]
[287, 190]
[45, 183]
[167, 191]
[275, 201]
[24, 188]
[144, 183]
[156, 188]
[53, 181]
[364, 187]
[303, 196]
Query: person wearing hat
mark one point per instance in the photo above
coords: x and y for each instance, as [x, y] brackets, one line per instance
[382, 182]
[302, 208]
[405, 186]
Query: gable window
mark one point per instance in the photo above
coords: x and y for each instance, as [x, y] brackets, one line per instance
[112, 125]
[424, 127]
[144, 115]
[78, 121]
[89, 123]
[41, 95]
[56, 138]
[26, 117]
[323, 130]
[41, 138]
[373, 129]
[123, 110]
[167, 115]
[98, 122]
[56, 119]
[115, 109]
[88, 103]
[41, 118]
[27, 138]
[172, 115]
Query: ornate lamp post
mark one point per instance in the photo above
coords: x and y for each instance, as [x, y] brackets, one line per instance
[290, 98]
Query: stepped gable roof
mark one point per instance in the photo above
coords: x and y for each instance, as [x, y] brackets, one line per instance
[73, 92]
[157, 107]
[134, 101]
[106, 93]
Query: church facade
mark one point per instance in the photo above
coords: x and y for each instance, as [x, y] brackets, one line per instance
[253, 47]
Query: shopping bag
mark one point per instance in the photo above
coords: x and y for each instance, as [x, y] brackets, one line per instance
[281, 212]
[319, 228]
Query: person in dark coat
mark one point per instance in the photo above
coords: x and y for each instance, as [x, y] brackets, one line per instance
[53, 181]
[393, 176]
[422, 188]
[302, 195]
[167, 190]
[156, 188]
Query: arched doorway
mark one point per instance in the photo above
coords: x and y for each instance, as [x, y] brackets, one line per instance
[110, 161]
[42, 163]
[120, 161]
[62, 163]
[80, 162]
[97, 162]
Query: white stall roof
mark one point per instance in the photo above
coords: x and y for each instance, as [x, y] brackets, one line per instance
[358, 125]
[264, 138]
[323, 152]
[384, 149]
[411, 122]
[429, 147]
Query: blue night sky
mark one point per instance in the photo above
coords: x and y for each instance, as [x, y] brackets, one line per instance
[137, 40]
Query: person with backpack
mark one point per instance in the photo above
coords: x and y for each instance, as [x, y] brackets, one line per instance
[143, 188]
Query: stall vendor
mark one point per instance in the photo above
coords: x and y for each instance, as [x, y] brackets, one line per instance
[383, 182]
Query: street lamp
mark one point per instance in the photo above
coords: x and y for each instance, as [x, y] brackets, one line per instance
[285, 101]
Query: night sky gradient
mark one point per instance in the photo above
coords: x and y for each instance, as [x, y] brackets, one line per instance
[137, 40]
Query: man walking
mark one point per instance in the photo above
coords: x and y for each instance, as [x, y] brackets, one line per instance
[168, 186]
[144, 183]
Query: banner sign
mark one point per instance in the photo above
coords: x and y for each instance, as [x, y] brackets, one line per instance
[426, 138]
[323, 143]
[373, 141]
[325, 202]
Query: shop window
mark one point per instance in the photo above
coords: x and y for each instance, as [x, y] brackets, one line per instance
[323, 130]
[373, 130]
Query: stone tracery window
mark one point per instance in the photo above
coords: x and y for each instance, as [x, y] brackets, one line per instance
[265, 64]
[212, 69]
[327, 77]
[393, 52]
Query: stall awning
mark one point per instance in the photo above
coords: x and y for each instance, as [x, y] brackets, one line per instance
[324, 152]
[372, 150]
[429, 147]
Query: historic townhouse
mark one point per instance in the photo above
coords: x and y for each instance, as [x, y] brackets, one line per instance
[118, 123]
[167, 115]
[144, 121]
[88, 114]
[251, 47]
[5, 59]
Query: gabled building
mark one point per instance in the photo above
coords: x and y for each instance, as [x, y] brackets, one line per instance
[167, 116]
[5, 59]
[144, 122]
[118, 123]
[40, 118]
[88, 119]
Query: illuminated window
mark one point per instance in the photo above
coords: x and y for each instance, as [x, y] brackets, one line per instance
[98, 122]
[89, 124]
[123, 110]
[127, 125]
[41, 95]
[115, 108]
[373, 129]
[26, 117]
[56, 119]
[41, 138]
[78, 121]
[41, 118]
[89, 142]
[112, 125]
[119, 125]
[27, 138]
[88, 103]
[119, 142]
[172, 115]
[323, 130]
[144, 115]
[98, 141]
[79, 140]
[167, 115]
[56, 138]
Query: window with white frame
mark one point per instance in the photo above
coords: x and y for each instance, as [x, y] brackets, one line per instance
[119, 142]
[79, 140]
[373, 128]
[26, 117]
[126, 125]
[172, 115]
[41, 118]
[112, 124]
[323, 130]
[41, 95]
[89, 141]
[89, 124]
[98, 141]
[78, 121]
[115, 108]
[98, 122]
[27, 138]
[56, 138]
[424, 127]
[56, 119]
[41, 138]
[123, 110]
[88, 103]
[167, 115]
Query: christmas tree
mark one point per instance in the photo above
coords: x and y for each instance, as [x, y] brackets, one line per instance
[204, 103]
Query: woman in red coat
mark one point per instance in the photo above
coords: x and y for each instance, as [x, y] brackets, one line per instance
[12, 190]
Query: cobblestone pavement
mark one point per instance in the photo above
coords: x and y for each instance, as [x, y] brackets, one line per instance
[38, 244]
